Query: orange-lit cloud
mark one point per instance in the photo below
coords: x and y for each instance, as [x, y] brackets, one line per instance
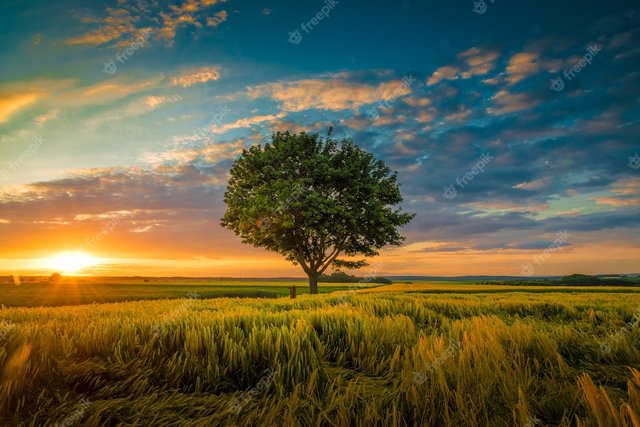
[508, 102]
[213, 153]
[624, 193]
[12, 103]
[471, 62]
[217, 19]
[247, 122]
[122, 25]
[447, 72]
[117, 23]
[199, 75]
[522, 65]
[507, 206]
[328, 94]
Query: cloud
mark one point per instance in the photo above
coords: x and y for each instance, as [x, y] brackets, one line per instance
[198, 75]
[12, 103]
[105, 92]
[616, 201]
[536, 245]
[521, 66]
[116, 24]
[447, 72]
[625, 192]
[478, 62]
[389, 119]
[471, 62]
[56, 95]
[211, 153]
[533, 185]
[182, 204]
[358, 123]
[135, 108]
[50, 115]
[417, 102]
[508, 102]
[497, 206]
[122, 24]
[425, 116]
[247, 122]
[334, 94]
[217, 19]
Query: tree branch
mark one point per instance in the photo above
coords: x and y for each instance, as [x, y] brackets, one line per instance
[331, 258]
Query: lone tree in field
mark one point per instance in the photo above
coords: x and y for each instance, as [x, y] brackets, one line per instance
[314, 200]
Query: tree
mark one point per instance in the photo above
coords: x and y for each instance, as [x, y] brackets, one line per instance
[314, 200]
[55, 278]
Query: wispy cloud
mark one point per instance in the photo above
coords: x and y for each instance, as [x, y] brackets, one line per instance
[197, 75]
[130, 19]
[337, 93]
[471, 62]
[12, 103]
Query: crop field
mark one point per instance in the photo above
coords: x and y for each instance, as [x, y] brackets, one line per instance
[473, 288]
[363, 358]
[35, 292]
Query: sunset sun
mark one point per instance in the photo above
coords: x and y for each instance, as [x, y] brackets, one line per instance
[71, 262]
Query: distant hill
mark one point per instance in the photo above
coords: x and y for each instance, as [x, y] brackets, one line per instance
[340, 277]
[572, 280]
[627, 277]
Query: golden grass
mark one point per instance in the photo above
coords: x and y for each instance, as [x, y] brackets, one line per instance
[377, 359]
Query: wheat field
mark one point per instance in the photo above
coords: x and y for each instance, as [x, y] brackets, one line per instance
[392, 359]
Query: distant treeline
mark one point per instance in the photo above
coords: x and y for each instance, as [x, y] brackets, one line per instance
[340, 277]
[573, 280]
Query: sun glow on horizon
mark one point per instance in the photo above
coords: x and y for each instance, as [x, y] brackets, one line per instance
[70, 262]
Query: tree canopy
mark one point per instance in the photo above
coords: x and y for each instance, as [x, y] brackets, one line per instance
[315, 201]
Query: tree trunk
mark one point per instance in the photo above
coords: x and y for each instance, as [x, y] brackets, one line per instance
[313, 284]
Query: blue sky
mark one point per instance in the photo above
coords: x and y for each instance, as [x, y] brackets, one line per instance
[547, 93]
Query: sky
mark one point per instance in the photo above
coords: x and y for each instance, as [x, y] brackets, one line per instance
[513, 126]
